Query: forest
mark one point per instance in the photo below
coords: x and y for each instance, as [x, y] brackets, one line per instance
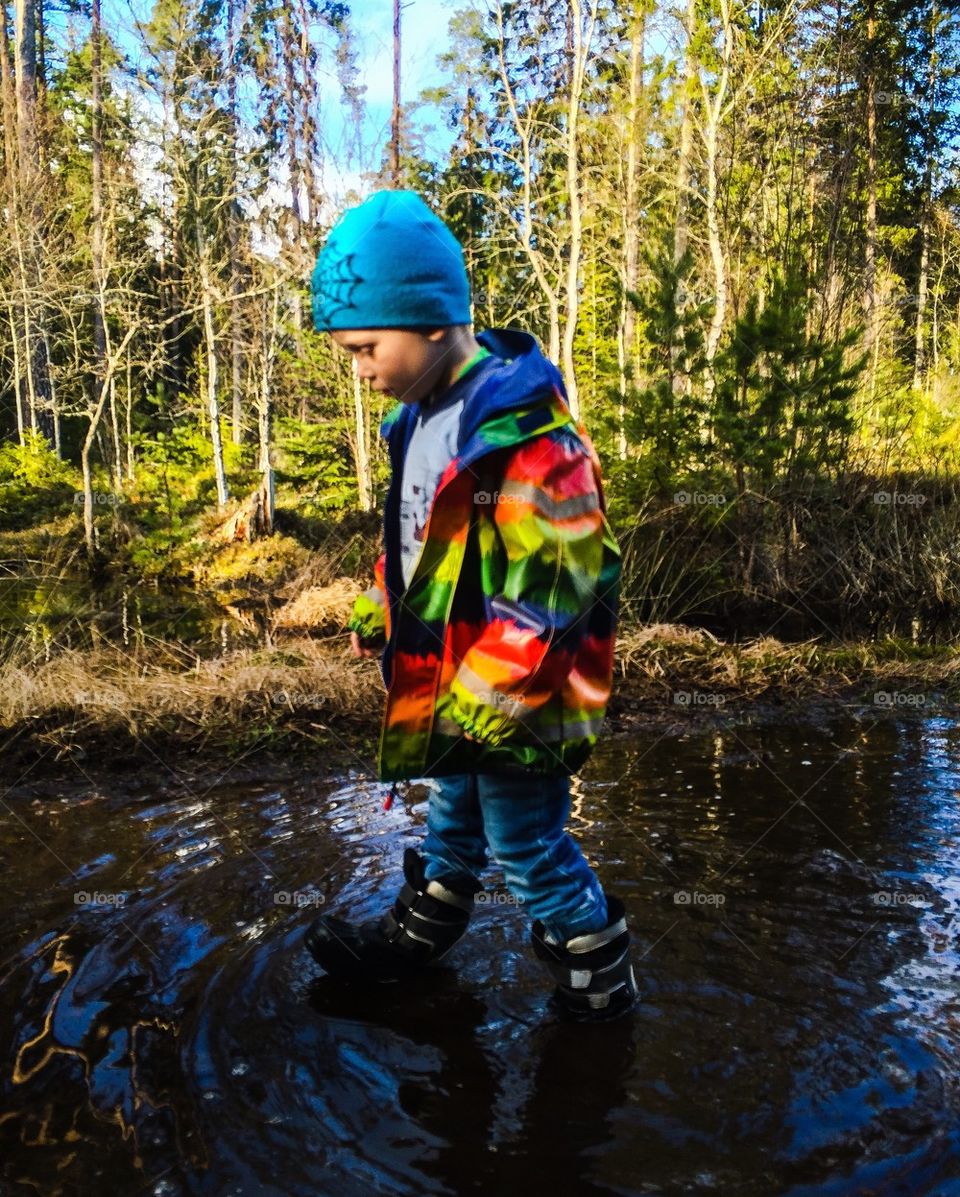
[735, 228]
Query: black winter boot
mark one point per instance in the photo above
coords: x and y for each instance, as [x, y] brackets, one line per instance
[593, 971]
[424, 923]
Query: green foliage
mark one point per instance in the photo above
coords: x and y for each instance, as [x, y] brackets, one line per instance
[176, 470]
[666, 415]
[317, 462]
[210, 158]
[175, 486]
[34, 482]
[783, 390]
[164, 554]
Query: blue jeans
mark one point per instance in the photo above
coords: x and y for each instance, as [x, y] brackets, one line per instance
[520, 819]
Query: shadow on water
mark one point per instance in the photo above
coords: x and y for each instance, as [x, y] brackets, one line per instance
[792, 889]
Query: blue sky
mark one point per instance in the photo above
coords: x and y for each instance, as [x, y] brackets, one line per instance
[424, 36]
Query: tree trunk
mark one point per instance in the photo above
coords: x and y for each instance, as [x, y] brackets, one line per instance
[94, 415]
[233, 232]
[364, 487]
[17, 372]
[265, 414]
[681, 230]
[549, 289]
[294, 162]
[213, 402]
[299, 173]
[919, 353]
[28, 161]
[580, 54]
[11, 201]
[128, 406]
[714, 110]
[395, 115]
[626, 331]
[309, 101]
[98, 315]
[871, 306]
[115, 438]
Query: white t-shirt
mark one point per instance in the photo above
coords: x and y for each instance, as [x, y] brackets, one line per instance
[433, 445]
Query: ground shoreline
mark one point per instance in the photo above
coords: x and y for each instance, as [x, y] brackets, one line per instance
[306, 700]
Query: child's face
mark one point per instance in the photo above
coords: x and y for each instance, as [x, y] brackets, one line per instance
[399, 361]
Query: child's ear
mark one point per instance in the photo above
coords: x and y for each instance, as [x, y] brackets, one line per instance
[437, 334]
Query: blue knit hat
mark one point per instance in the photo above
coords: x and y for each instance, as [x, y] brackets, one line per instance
[390, 263]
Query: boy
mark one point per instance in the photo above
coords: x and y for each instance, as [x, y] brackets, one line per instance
[494, 605]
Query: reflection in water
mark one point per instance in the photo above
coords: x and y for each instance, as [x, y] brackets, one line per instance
[793, 891]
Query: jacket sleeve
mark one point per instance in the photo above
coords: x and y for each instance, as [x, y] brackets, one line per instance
[371, 614]
[549, 517]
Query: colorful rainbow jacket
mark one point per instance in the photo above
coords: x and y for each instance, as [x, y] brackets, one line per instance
[506, 631]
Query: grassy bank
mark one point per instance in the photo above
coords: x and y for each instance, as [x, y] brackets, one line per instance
[107, 707]
[855, 554]
[183, 638]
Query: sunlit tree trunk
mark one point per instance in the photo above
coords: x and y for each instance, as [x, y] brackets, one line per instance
[11, 201]
[98, 315]
[582, 37]
[210, 343]
[233, 236]
[30, 217]
[919, 353]
[684, 176]
[713, 108]
[265, 412]
[626, 334]
[94, 416]
[364, 482]
[395, 112]
[522, 129]
[870, 298]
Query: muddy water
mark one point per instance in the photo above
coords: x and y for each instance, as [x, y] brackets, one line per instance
[792, 889]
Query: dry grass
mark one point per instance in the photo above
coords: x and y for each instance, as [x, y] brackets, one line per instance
[312, 691]
[658, 657]
[318, 608]
[170, 692]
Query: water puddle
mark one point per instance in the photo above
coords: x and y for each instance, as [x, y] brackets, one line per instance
[792, 890]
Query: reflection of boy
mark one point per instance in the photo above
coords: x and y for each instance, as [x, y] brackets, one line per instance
[494, 604]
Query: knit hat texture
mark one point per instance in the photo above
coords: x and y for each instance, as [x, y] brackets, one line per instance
[390, 263]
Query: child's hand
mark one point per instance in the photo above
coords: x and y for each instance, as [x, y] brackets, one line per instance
[359, 650]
